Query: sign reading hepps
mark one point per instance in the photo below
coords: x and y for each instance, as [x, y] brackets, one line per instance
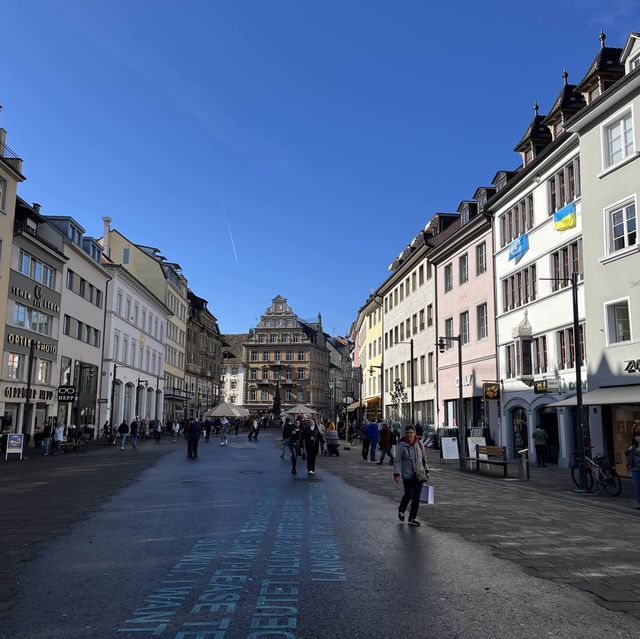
[632, 366]
[66, 393]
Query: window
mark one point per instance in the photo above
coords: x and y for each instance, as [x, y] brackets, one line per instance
[422, 369]
[448, 332]
[539, 354]
[402, 331]
[510, 361]
[519, 289]
[301, 356]
[401, 293]
[463, 273]
[566, 348]
[481, 258]
[618, 140]
[421, 321]
[618, 322]
[518, 219]
[464, 327]
[430, 367]
[430, 315]
[15, 366]
[421, 275]
[564, 186]
[301, 374]
[482, 319]
[265, 356]
[564, 263]
[414, 280]
[414, 326]
[448, 278]
[621, 227]
[43, 371]
[3, 193]
[125, 256]
[252, 394]
[264, 396]
[116, 346]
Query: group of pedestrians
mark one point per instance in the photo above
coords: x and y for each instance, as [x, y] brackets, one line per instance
[52, 434]
[303, 438]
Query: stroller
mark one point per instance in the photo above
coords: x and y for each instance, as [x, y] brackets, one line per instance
[333, 448]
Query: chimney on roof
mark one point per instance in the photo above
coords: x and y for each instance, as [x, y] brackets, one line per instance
[106, 220]
[36, 207]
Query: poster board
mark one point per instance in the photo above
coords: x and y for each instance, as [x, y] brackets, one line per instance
[471, 443]
[449, 447]
[14, 444]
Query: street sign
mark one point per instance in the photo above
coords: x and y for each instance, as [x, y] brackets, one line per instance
[491, 390]
[14, 444]
[540, 386]
[66, 393]
[103, 400]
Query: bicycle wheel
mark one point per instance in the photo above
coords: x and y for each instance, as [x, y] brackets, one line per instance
[575, 475]
[611, 482]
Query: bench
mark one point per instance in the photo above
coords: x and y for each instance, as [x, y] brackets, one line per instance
[495, 455]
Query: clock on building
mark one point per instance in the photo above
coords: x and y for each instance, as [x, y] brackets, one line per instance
[279, 323]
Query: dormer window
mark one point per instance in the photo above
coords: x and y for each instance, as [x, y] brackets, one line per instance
[593, 94]
[528, 157]
[634, 63]
[558, 130]
[464, 216]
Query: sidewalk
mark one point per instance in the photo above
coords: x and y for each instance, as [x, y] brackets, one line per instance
[42, 497]
[587, 541]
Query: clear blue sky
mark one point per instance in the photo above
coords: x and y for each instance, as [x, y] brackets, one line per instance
[320, 136]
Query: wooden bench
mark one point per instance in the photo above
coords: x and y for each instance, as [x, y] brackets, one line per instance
[496, 455]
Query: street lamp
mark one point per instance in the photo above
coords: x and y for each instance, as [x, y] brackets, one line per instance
[442, 347]
[413, 421]
[580, 430]
[82, 366]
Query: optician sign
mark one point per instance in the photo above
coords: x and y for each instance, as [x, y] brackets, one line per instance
[23, 340]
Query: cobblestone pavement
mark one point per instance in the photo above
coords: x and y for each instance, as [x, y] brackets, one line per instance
[587, 541]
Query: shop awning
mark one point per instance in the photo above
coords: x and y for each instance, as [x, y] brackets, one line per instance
[612, 395]
[354, 406]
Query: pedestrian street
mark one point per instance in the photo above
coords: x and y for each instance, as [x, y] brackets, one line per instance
[231, 545]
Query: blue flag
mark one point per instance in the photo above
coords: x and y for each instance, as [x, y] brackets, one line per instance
[519, 246]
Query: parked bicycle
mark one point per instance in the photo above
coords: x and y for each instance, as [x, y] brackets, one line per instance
[108, 436]
[600, 473]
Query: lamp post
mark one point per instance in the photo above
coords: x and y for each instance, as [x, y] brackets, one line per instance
[442, 346]
[580, 432]
[140, 382]
[413, 418]
[27, 401]
[113, 394]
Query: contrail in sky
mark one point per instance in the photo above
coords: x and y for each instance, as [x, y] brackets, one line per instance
[233, 244]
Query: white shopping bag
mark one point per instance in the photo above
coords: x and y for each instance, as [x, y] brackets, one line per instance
[427, 494]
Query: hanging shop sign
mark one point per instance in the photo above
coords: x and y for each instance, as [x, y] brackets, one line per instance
[66, 393]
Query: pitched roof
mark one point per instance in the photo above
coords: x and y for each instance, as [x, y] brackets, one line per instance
[233, 351]
[607, 61]
[537, 132]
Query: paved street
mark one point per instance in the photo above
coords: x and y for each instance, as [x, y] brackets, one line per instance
[231, 545]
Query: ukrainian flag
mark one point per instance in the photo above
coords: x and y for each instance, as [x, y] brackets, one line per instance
[565, 218]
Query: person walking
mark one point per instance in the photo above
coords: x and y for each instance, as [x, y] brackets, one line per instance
[224, 427]
[58, 437]
[385, 444]
[295, 441]
[410, 465]
[157, 431]
[540, 442]
[134, 432]
[255, 430]
[46, 439]
[123, 431]
[633, 459]
[287, 429]
[194, 431]
[175, 429]
[236, 425]
[373, 433]
[365, 441]
[311, 438]
[208, 425]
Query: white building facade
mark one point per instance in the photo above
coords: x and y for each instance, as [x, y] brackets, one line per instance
[133, 371]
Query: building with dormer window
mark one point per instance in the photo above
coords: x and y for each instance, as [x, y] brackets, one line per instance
[287, 357]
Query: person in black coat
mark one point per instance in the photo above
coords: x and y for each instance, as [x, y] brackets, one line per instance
[193, 437]
[295, 441]
[311, 438]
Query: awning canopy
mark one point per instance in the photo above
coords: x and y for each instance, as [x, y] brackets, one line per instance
[354, 406]
[612, 395]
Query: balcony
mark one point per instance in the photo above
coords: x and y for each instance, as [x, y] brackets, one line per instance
[10, 157]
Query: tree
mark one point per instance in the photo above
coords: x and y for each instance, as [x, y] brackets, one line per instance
[398, 396]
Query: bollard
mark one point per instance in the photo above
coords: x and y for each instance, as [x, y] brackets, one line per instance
[523, 466]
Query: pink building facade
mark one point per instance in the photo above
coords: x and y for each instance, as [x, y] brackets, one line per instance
[466, 308]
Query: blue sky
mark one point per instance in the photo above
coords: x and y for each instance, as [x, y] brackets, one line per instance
[285, 146]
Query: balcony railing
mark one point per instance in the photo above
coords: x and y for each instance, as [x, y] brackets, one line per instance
[6, 152]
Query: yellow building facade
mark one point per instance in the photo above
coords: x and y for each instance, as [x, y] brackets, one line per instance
[370, 331]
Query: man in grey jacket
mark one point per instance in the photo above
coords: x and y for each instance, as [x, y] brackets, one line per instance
[410, 464]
